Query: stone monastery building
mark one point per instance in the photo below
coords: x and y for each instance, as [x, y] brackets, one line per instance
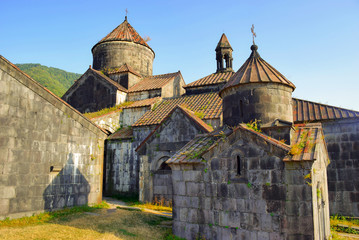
[233, 152]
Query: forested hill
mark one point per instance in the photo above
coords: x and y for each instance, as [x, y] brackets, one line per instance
[54, 79]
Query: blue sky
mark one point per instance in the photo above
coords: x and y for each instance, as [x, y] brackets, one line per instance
[313, 43]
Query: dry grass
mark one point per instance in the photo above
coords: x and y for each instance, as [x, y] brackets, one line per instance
[117, 224]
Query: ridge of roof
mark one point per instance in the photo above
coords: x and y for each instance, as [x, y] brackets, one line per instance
[153, 82]
[188, 113]
[214, 78]
[223, 42]
[119, 87]
[123, 68]
[256, 70]
[124, 32]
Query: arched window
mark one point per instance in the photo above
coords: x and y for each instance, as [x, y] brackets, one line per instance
[238, 165]
[164, 166]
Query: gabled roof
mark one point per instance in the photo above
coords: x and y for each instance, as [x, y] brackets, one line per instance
[124, 68]
[154, 82]
[223, 42]
[193, 151]
[214, 78]
[48, 96]
[196, 120]
[124, 32]
[256, 70]
[304, 111]
[207, 104]
[123, 133]
[109, 80]
[305, 141]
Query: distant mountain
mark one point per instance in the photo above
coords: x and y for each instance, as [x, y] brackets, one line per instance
[54, 79]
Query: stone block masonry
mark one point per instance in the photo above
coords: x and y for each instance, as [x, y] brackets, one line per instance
[50, 155]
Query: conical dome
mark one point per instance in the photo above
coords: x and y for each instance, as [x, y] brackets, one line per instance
[256, 70]
[223, 43]
[124, 32]
[123, 46]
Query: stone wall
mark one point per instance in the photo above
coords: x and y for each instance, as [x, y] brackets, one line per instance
[136, 96]
[51, 156]
[121, 174]
[204, 89]
[91, 93]
[261, 198]
[113, 54]
[130, 115]
[110, 121]
[342, 138]
[263, 102]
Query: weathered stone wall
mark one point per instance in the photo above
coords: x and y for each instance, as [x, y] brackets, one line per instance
[110, 121]
[173, 88]
[257, 101]
[113, 54]
[50, 155]
[162, 187]
[204, 89]
[126, 79]
[121, 167]
[268, 199]
[130, 115]
[91, 93]
[136, 96]
[122, 164]
[342, 138]
[170, 137]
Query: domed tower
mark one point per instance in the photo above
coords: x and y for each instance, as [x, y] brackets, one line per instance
[257, 91]
[123, 46]
[224, 52]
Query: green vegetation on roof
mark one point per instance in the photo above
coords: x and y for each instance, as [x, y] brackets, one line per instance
[106, 110]
[54, 79]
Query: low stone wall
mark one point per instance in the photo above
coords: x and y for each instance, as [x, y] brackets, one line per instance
[342, 138]
[50, 155]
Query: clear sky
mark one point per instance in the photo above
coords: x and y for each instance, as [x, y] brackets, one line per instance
[314, 43]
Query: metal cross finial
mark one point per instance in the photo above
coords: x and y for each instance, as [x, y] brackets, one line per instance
[126, 12]
[254, 34]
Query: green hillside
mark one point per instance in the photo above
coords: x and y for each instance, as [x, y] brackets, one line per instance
[54, 79]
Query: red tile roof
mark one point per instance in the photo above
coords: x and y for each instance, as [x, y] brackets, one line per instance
[215, 78]
[122, 69]
[208, 104]
[124, 32]
[304, 142]
[305, 111]
[123, 133]
[256, 70]
[223, 42]
[153, 82]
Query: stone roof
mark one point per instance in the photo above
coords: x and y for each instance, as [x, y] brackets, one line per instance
[123, 133]
[154, 82]
[304, 142]
[124, 32]
[206, 128]
[124, 68]
[223, 42]
[109, 80]
[214, 78]
[305, 111]
[144, 102]
[193, 151]
[207, 104]
[256, 70]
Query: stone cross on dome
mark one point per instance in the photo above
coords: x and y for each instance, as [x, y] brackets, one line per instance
[253, 33]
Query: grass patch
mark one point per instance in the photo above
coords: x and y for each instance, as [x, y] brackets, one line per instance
[118, 224]
[132, 201]
[336, 226]
[61, 215]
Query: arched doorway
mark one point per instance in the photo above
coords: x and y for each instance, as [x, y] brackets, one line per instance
[162, 183]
